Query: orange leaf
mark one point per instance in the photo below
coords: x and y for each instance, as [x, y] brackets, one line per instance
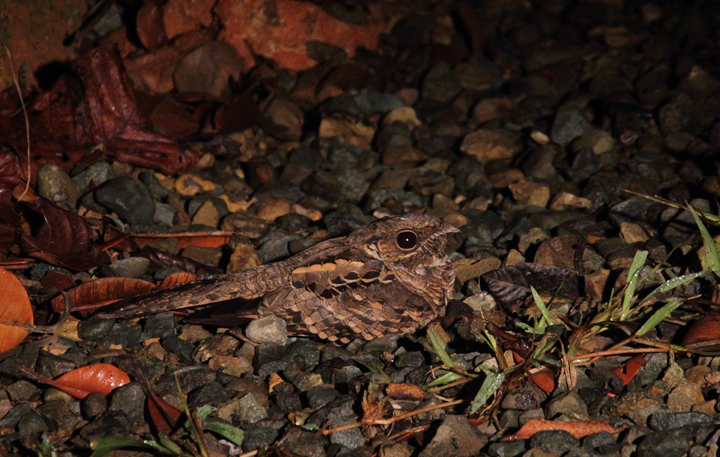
[577, 429]
[630, 369]
[103, 290]
[707, 328]
[14, 309]
[405, 391]
[544, 379]
[80, 382]
[177, 278]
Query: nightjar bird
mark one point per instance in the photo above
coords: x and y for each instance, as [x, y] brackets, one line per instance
[391, 276]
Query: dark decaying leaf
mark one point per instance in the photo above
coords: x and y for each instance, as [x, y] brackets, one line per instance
[65, 239]
[11, 172]
[10, 221]
[72, 119]
[510, 285]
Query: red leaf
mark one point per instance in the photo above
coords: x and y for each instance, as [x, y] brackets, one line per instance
[544, 379]
[178, 278]
[103, 290]
[15, 308]
[164, 416]
[706, 329]
[81, 382]
[630, 369]
[577, 429]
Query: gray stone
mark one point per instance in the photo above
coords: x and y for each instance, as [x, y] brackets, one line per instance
[56, 185]
[568, 125]
[93, 405]
[132, 267]
[128, 198]
[93, 176]
[250, 409]
[666, 420]
[269, 329]
[129, 399]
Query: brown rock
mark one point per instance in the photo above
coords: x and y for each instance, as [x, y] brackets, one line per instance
[558, 251]
[281, 29]
[207, 214]
[286, 117]
[683, 397]
[633, 233]
[244, 257]
[487, 145]
[208, 69]
[530, 193]
[403, 156]
[505, 178]
[488, 109]
[273, 209]
[565, 200]
[404, 114]
[356, 134]
[189, 185]
[181, 16]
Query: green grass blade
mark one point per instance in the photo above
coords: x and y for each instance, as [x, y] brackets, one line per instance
[446, 377]
[659, 315]
[543, 309]
[710, 257]
[227, 431]
[106, 445]
[670, 284]
[439, 339]
[490, 385]
[637, 264]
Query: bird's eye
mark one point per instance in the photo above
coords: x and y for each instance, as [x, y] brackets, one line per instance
[406, 239]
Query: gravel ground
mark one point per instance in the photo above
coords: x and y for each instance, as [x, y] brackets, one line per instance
[539, 134]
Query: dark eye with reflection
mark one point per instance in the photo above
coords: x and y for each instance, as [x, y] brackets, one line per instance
[406, 239]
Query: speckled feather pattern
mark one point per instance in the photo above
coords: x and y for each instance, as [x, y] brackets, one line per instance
[363, 285]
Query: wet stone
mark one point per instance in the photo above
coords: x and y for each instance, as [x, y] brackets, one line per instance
[506, 448]
[22, 390]
[159, 325]
[32, 423]
[183, 349]
[53, 366]
[125, 335]
[568, 125]
[341, 413]
[555, 441]
[93, 405]
[569, 404]
[93, 176]
[209, 394]
[129, 399]
[111, 423]
[523, 398]
[345, 374]
[250, 409]
[666, 421]
[269, 358]
[258, 436]
[128, 198]
[321, 395]
[304, 352]
[189, 378]
[15, 414]
[301, 442]
[95, 329]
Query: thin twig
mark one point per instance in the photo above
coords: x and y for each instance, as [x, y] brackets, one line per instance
[11, 61]
[393, 419]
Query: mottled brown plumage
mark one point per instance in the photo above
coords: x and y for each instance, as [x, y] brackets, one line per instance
[389, 277]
